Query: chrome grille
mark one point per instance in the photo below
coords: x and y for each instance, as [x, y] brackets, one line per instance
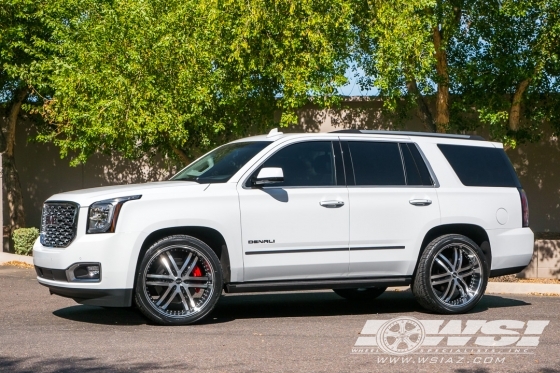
[58, 223]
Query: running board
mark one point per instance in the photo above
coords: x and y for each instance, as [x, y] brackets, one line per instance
[347, 283]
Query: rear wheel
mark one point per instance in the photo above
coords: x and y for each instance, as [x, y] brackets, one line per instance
[452, 275]
[179, 281]
[360, 293]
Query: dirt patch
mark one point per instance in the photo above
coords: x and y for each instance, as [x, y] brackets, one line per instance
[16, 263]
[514, 278]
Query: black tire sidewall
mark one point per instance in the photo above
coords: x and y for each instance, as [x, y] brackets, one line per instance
[144, 304]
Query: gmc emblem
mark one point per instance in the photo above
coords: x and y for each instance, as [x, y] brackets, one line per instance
[51, 220]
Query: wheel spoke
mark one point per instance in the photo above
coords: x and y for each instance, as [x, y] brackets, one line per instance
[166, 264]
[180, 273]
[191, 278]
[191, 300]
[189, 285]
[168, 277]
[452, 292]
[191, 267]
[449, 286]
[173, 263]
[455, 258]
[442, 265]
[184, 301]
[161, 299]
[442, 257]
[459, 262]
[158, 283]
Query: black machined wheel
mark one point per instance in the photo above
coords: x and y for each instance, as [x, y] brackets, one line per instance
[179, 281]
[360, 293]
[452, 275]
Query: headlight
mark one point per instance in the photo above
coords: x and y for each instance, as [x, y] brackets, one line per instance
[103, 215]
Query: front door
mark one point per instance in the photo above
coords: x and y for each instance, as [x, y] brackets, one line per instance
[298, 228]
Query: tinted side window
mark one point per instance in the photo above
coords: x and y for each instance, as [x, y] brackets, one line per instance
[376, 163]
[416, 171]
[478, 166]
[305, 164]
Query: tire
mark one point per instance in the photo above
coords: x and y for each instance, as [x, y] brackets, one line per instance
[360, 293]
[166, 283]
[447, 282]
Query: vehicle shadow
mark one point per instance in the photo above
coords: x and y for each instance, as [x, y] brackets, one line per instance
[276, 305]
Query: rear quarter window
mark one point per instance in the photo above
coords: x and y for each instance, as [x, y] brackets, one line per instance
[480, 166]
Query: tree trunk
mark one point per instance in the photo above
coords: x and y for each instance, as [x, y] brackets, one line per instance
[10, 177]
[182, 155]
[515, 111]
[442, 97]
[424, 113]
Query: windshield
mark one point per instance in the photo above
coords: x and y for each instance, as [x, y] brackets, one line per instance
[222, 163]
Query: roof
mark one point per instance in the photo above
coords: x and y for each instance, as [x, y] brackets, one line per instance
[410, 133]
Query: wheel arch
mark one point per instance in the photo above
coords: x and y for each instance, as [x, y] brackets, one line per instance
[472, 231]
[209, 236]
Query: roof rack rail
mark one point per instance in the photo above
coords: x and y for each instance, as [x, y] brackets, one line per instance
[411, 133]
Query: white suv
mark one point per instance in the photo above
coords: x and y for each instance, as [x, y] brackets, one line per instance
[353, 211]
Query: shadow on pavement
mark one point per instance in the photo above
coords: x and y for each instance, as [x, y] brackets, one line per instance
[277, 305]
[76, 364]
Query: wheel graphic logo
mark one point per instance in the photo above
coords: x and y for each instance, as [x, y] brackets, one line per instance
[401, 336]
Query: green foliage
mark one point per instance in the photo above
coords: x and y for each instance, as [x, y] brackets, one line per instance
[178, 77]
[505, 44]
[24, 238]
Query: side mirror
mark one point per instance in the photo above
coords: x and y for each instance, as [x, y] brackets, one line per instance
[269, 175]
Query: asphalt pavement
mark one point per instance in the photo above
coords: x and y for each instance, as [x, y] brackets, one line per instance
[269, 332]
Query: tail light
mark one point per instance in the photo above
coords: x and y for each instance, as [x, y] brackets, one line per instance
[524, 208]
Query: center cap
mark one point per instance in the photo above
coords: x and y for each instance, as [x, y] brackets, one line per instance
[454, 274]
[178, 280]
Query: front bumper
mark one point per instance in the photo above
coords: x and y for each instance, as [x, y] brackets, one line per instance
[94, 297]
[114, 253]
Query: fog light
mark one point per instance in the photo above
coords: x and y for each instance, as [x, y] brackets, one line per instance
[84, 272]
[93, 271]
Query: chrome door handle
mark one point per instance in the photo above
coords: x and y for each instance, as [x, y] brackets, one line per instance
[420, 202]
[331, 204]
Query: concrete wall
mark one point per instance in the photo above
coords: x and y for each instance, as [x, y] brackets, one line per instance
[43, 173]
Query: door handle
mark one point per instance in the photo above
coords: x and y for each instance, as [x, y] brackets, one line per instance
[331, 204]
[420, 202]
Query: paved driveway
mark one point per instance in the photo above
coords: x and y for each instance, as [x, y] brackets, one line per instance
[287, 332]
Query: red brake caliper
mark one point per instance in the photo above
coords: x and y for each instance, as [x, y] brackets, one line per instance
[197, 272]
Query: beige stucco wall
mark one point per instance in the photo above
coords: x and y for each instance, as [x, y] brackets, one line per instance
[43, 173]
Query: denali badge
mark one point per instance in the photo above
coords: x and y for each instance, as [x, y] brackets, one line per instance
[261, 241]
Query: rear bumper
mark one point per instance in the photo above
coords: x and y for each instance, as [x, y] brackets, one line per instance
[512, 250]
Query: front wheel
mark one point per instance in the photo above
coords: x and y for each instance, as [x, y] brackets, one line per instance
[360, 293]
[179, 281]
[451, 276]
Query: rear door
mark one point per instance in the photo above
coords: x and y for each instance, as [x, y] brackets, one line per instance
[393, 202]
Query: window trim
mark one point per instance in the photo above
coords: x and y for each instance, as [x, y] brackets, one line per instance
[398, 142]
[260, 162]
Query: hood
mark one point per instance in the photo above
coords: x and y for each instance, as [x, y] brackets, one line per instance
[85, 197]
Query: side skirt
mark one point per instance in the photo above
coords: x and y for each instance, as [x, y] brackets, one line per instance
[316, 284]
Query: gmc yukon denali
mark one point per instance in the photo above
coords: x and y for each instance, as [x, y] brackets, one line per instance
[353, 211]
